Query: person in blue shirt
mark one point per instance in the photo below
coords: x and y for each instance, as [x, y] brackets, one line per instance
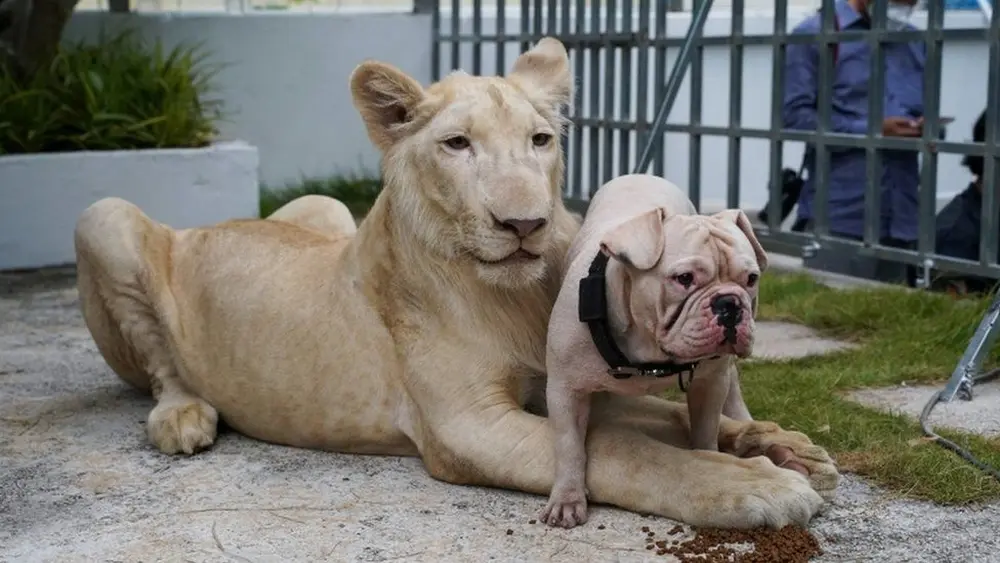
[903, 111]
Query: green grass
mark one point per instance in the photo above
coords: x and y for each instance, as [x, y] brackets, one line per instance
[357, 191]
[903, 336]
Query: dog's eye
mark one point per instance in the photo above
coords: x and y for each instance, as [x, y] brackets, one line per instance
[458, 143]
[685, 279]
[540, 139]
[752, 280]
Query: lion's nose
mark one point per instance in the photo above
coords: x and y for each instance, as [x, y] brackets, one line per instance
[727, 309]
[522, 227]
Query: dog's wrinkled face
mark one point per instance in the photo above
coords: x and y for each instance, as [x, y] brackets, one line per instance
[688, 284]
[479, 156]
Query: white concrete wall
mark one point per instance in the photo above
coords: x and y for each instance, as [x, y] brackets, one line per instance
[287, 79]
[288, 83]
[44, 194]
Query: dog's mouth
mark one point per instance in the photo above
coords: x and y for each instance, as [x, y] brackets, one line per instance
[518, 256]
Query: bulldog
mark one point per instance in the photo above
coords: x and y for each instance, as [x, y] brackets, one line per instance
[653, 292]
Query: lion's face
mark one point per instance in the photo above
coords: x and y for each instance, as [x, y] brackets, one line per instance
[476, 160]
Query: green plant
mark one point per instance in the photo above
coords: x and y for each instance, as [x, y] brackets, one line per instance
[120, 92]
[356, 191]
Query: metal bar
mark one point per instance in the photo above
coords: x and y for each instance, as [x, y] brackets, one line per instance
[788, 242]
[455, 23]
[824, 96]
[594, 178]
[673, 85]
[578, 19]
[536, 22]
[625, 103]
[832, 139]
[694, 117]
[477, 31]
[776, 148]
[525, 21]
[564, 141]
[931, 132]
[659, 78]
[991, 137]
[735, 106]
[435, 7]
[550, 17]
[873, 157]
[610, 79]
[501, 44]
[642, 76]
[623, 39]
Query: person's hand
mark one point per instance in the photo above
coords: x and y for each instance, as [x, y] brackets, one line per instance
[902, 127]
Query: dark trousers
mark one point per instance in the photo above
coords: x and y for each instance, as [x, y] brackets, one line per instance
[866, 267]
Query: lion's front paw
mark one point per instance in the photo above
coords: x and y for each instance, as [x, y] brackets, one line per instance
[566, 508]
[791, 450]
[185, 427]
[761, 495]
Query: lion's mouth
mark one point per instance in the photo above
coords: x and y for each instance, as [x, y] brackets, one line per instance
[519, 255]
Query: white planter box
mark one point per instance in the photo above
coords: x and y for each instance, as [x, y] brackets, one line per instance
[42, 195]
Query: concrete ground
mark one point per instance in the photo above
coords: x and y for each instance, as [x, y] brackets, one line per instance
[79, 482]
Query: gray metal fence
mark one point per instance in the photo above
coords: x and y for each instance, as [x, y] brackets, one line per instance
[618, 124]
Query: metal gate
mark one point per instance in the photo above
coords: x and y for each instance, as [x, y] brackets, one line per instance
[627, 86]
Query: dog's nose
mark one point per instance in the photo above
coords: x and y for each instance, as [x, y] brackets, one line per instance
[728, 310]
[522, 227]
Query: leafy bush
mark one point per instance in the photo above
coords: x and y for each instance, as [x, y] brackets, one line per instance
[118, 93]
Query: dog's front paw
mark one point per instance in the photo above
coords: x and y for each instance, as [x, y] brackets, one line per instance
[566, 507]
[791, 450]
[182, 427]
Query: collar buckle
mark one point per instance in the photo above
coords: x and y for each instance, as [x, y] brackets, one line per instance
[623, 372]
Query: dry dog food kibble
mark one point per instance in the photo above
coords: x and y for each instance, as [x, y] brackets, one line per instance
[790, 544]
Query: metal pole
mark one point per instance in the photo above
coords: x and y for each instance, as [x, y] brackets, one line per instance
[673, 85]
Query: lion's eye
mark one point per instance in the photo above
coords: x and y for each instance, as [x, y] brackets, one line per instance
[541, 139]
[458, 143]
[752, 280]
[685, 279]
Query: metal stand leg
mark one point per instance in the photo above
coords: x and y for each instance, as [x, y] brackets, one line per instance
[963, 378]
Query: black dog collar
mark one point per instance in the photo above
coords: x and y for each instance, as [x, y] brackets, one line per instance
[593, 310]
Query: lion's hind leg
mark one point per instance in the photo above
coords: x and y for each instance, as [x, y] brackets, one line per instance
[120, 256]
[319, 213]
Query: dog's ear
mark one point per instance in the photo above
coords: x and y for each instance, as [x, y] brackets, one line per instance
[742, 222]
[545, 69]
[638, 242]
[386, 97]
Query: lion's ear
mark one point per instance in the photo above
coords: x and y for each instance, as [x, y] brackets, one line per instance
[386, 97]
[545, 68]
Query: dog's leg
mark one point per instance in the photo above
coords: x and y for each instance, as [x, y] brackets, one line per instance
[319, 213]
[118, 249]
[705, 399]
[569, 412]
[735, 407]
